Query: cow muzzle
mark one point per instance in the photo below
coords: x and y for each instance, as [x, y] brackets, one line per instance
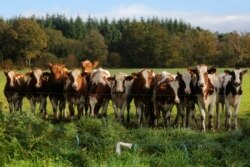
[187, 91]
[177, 100]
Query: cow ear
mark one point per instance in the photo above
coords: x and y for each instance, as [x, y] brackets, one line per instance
[28, 73]
[178, 74]
[50, 65]
[244, 72]
[85, 63]
[227, 72]
[192, 70]
[110, 78]
[6, 72]
[129, 78]
[95, 64]
[134, 74]
[211, 70]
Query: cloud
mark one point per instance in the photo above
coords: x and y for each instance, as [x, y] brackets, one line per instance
[213, 22]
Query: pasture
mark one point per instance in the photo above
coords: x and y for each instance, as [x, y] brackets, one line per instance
[27, 140]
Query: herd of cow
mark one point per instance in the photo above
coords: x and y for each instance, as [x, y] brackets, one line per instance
[152, 93]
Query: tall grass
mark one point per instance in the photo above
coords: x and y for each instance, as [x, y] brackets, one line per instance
[27, 140]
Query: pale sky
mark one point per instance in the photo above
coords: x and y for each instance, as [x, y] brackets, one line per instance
[214, 15]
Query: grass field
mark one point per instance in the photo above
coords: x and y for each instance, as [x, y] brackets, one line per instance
[26, 140]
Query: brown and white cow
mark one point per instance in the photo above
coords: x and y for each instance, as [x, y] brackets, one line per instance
[187, 96]
[207, 91]
[87, 69]
[120, 85]
[165, 96]
[99, 93]
[37, 90]
[232, 92]
[141, 92]
[57, 80]
[14, 90]
[76, 92]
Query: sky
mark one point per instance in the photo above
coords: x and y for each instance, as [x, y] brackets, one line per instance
[215, 15]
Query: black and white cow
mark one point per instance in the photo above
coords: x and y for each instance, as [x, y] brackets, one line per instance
[232, 93]
[187, 96]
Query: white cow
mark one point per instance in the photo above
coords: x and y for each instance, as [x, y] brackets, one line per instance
[120, 86]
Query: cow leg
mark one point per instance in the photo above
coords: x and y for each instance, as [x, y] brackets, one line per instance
[92, 102]
[17, 105]
[62, 105]
[86, 105]
[32, 105]
[217, 115]
[183, 115]
[139, 114]
[122, 112]
[156, 114]
[80, 111]
[228, 116]
[71, 110]
[210, 122]
[104, 108]
[54, 103]
[128, 110]
[43, 110]
[11, 106]
[203, 116]
[235, 114]
[177, 115]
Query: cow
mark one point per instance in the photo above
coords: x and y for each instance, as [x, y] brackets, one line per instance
[120, 85]
[165, 96]
[186, 93]
[232, 93]
[37, 90]
[87, 69]
[99, 93]
[141, 92]
[76, 92]
[14, 90]
[207, 91]
[57, 79]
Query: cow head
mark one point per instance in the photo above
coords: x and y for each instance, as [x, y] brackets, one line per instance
[237, 75]
[36, 76]
[11, 77]
[76, 78]
[170, 86]
[87, 66]
[147, 76]
[185, 81]
[119, 83]
[201, 72]
[58, 70]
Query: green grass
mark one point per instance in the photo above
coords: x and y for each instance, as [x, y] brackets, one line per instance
[27, 140]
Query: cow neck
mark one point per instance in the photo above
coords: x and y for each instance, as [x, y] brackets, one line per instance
[209, 87]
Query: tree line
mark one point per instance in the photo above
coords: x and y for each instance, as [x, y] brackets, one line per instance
[151, 42]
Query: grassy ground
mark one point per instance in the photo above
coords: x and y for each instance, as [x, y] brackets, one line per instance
[26, 140]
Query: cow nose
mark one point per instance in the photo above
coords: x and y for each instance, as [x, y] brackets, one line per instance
[187, 91]
[201, 85]
[177, 100]
[38, 85]
[237, 83]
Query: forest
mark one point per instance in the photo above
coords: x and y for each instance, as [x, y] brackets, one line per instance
[123, 43]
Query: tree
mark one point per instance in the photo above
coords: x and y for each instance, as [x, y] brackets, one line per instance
[144, 45]
[30, 40]
[95, 47]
